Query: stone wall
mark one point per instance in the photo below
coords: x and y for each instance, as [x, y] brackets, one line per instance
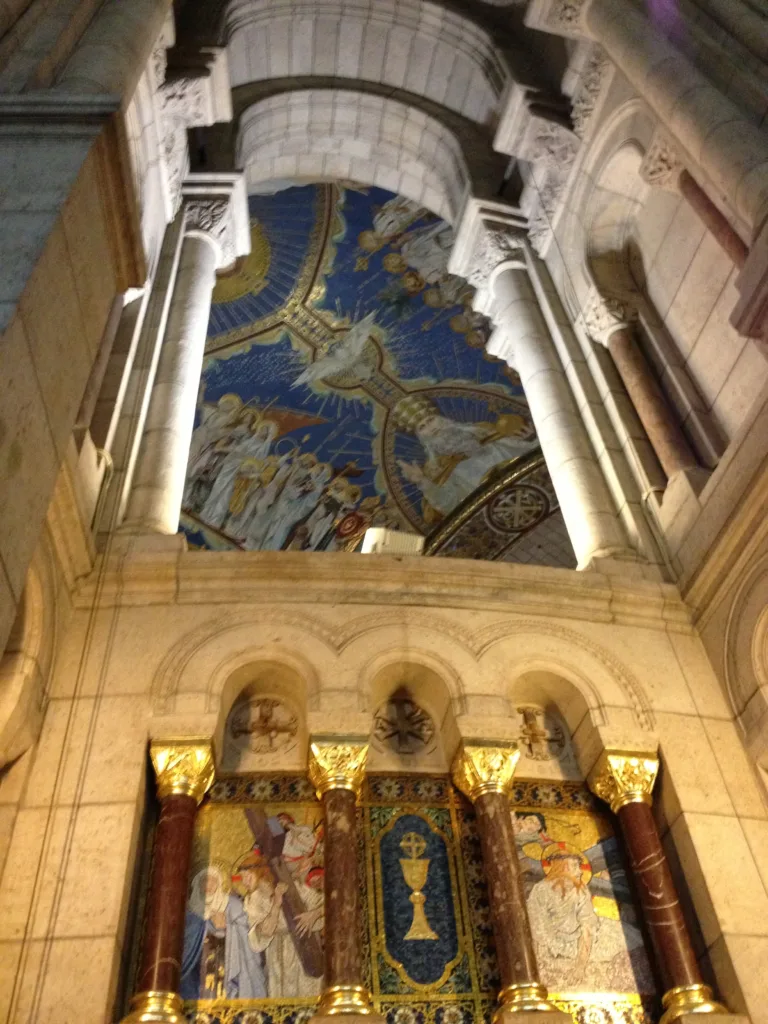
[161, 640]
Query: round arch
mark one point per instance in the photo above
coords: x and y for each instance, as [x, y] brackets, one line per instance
[414, 45]
[311, 135]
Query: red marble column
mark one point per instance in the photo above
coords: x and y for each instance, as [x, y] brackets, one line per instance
[660, 423]
[518, 970]
[343, 955]
[337, 770]
[713, 219]
[625, 780]
[485, 774]
[184, 773]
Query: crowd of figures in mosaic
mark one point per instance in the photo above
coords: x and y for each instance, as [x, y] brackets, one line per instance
[253, 943]
[346, 381]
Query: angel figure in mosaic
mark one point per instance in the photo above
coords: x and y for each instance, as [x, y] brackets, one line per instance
[254, 442]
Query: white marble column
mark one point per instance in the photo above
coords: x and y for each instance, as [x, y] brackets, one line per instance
[491, 251]
[216, 230]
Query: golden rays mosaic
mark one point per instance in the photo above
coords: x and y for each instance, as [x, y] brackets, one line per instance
[254, 929]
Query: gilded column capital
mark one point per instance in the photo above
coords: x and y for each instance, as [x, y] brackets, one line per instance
[337, 762]
[480, 768]
[623, 777]
[182, 767]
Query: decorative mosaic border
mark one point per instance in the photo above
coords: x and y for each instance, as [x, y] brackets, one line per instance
[396, 790]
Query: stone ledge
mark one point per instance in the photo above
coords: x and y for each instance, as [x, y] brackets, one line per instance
[141, 575]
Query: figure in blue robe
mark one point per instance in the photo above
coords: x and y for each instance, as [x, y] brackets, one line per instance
[218, 961]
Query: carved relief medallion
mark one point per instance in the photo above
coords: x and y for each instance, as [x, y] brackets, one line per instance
[403, 727]
[263, 724]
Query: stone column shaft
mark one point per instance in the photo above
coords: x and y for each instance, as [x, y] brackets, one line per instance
[343, 958]
[337, 770]
[525, 342]
[658, 419]
[625, 780]
[160, 969]
[714, 221]
[158, 487]
[731, 152]
[485, 774]
[658, 897]
[184, 774]
[514, 946]
[113, 52]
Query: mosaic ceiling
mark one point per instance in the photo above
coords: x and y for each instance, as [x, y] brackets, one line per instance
[345, 382]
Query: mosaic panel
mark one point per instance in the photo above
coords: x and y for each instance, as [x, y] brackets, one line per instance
[255, 915]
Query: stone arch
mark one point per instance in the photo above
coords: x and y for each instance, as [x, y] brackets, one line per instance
[745, 659]
[26, 663]
[602, 678]
[414, 45]
[432, 683]
[604, 199]
[561, 685]
[310, 135]
[196, 664]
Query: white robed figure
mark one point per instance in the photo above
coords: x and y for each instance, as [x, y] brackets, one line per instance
[271, 935]
[459, 457]
[568, 933]
[301, 493]
[254, 445]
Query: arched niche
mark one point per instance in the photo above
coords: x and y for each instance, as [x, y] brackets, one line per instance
[551, 711]
[263, 724]
[413, 727]
[614, 259]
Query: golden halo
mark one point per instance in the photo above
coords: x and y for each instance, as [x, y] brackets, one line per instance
[248, 276]
[555, 851]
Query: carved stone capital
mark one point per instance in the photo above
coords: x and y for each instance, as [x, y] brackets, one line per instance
[182, 767]
[216, 206]
[479, 769]
[488, 236]
[661, 164]
[603, 315]
[191, 100]
[337, 763]
[535, 125]
[559, 17]
[624, 777]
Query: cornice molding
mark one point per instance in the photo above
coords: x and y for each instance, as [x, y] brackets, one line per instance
[169, 576]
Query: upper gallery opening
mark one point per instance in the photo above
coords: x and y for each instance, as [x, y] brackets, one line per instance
[346, 385]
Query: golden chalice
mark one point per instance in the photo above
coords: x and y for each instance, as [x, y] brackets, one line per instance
[415, 873]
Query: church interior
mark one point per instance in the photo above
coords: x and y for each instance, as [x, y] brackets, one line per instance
[384, 548]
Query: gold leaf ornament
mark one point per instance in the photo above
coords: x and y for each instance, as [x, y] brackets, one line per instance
[337, 764]
[623, 777]
[480, 768]
[182, 767]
